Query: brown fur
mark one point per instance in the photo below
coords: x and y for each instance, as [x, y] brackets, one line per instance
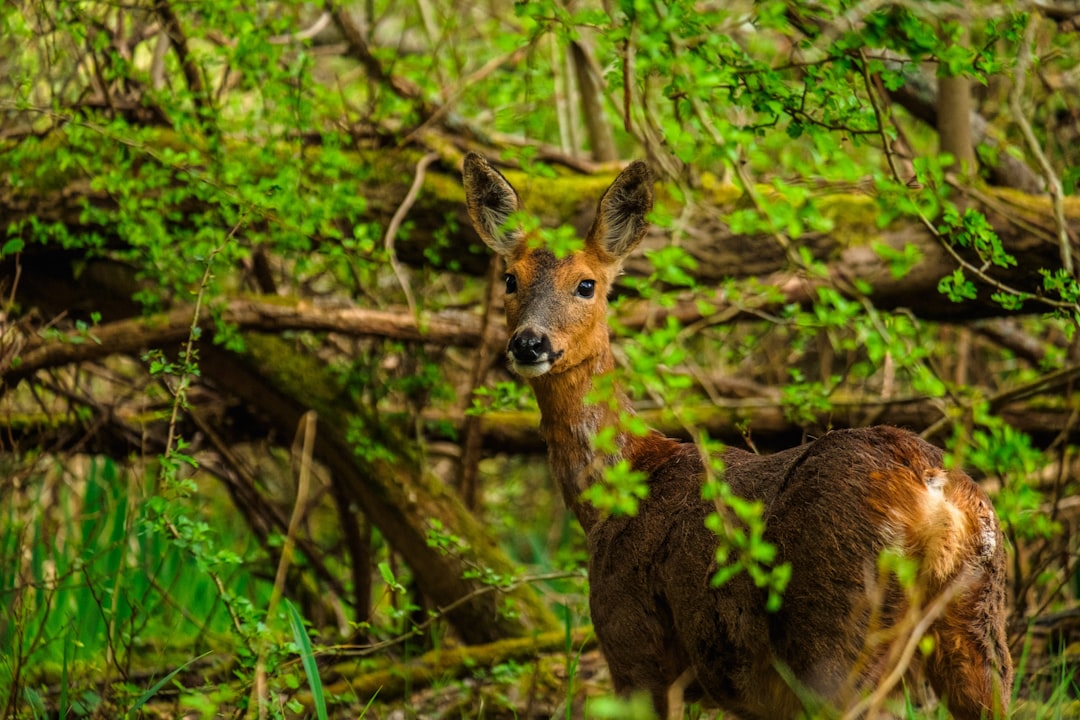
[832, 507]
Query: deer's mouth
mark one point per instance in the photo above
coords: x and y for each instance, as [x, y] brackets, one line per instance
[530, 353]
[530, 369]
[534, 367]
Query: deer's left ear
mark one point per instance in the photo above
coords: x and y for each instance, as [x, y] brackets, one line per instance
[491, 200]
[620, 219]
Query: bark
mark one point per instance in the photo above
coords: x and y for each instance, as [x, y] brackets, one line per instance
[601, 139]
[954, 114]
[954, 123]
[133, 335]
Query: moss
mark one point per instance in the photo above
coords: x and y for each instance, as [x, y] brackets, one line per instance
[23, 422]
[717, 192]
[1037, 206]
[297, 374]
[856, 214]
[441, 665]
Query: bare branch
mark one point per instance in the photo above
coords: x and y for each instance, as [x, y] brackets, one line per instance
[133, 335]
[1053, 182]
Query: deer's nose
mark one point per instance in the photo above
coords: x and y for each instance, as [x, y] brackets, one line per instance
[529, 346]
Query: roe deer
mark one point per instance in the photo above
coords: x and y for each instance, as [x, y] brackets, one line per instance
[831, 507]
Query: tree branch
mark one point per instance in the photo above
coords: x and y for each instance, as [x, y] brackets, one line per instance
[133, 335]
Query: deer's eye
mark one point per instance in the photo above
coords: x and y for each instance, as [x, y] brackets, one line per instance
[511, 284]
[586, 289]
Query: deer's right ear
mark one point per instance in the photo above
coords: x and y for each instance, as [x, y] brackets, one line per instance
[491, 200]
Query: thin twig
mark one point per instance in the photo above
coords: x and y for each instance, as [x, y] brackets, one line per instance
[1052, 180]
[443, 611]
[473, 433]
[300, 35]
[885, 686]
[179, 401]
[305, 436]
[395, 225]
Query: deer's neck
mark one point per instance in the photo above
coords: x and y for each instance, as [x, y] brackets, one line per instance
[569, 424]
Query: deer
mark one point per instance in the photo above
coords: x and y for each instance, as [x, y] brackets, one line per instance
[831, 506]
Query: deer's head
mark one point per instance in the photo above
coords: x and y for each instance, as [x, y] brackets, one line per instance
[556, 307]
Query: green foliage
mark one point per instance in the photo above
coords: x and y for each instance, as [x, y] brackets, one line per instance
[621, 491]
[740, 526]
[972, 230]
[957, 287]
[900, 261]
[503, 395]
[637, 707]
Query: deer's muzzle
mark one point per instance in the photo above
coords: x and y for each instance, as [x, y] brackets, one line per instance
[530, 353]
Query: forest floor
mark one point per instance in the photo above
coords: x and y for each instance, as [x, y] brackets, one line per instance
[578, 685]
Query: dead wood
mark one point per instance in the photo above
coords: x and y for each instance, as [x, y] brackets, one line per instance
[136, 334]
[395, 678]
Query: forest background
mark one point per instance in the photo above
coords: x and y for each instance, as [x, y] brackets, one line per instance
[261, 455]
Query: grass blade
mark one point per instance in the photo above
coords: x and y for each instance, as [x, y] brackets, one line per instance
[307, 656]
[145, 697]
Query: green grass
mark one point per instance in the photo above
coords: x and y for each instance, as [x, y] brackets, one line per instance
[91, 590]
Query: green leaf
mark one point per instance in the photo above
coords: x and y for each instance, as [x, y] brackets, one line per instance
[12, 246]
[957, 287]
[307, 657]
[133, 711]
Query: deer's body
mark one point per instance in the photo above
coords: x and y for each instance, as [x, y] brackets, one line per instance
[831, 508]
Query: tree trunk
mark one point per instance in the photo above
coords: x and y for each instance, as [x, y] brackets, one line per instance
[954, 121]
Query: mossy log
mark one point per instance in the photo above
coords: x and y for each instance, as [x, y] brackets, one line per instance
[390, 679]
[1023, 222]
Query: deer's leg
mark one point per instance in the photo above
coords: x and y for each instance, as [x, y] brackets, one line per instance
[675, 695]
[970, 668]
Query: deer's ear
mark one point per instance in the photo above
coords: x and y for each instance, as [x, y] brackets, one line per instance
[620, 220]
[491, 200]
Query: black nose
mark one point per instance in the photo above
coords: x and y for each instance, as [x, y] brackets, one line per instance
[529, 347]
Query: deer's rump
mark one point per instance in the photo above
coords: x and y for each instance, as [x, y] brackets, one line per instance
[831, 507]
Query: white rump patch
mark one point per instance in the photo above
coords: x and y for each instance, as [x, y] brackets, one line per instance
[936, 479]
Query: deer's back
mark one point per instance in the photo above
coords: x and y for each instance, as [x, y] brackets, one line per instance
[831, 506]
